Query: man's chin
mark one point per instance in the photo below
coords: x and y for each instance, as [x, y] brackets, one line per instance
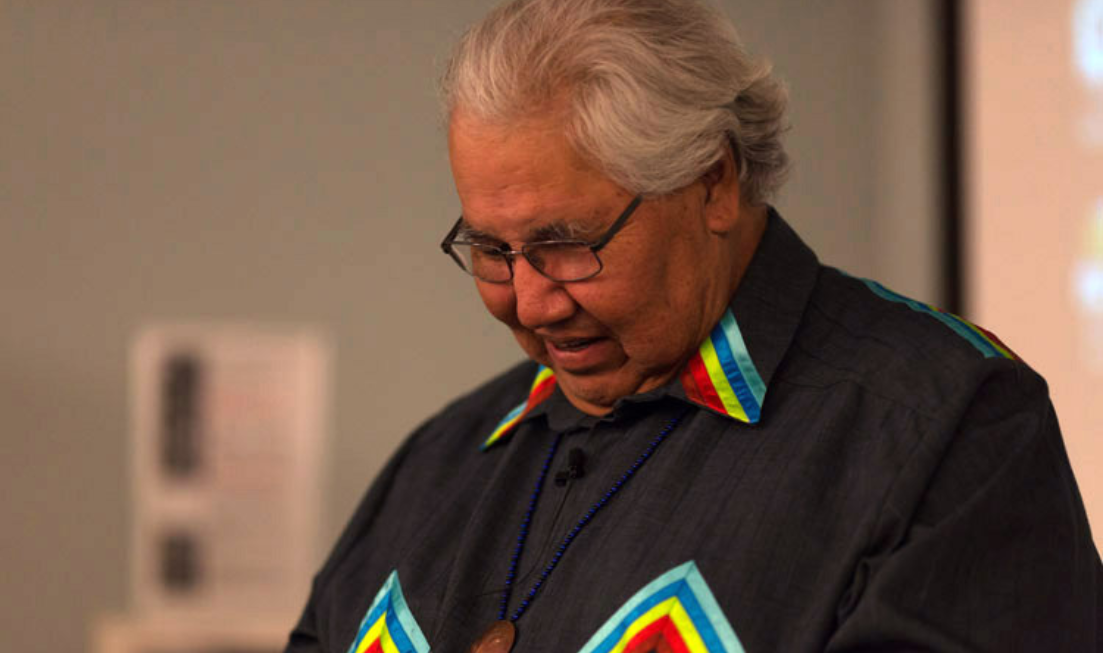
[592, 393]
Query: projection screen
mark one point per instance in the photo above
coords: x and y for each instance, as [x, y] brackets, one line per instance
[1032, 132]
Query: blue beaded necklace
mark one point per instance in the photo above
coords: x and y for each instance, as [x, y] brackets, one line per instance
[586, 518]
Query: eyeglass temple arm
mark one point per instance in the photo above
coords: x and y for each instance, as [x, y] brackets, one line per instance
[624, 215]
[447, 242]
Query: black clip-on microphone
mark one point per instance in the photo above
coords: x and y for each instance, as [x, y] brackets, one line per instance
[576, 462]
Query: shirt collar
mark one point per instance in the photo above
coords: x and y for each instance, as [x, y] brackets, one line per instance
[732, 369]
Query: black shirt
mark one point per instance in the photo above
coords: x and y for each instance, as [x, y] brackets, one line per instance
[896, 481]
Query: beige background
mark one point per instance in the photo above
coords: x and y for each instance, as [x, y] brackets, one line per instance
[280, 162]
[1037, 182]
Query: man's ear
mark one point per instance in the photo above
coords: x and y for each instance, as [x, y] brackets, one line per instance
[722, 205]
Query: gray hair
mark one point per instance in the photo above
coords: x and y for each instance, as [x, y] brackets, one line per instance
[657, 89]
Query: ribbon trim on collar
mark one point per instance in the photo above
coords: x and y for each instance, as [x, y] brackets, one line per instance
[541, 389]
[720, 377]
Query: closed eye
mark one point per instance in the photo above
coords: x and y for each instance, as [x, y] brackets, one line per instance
[485, 248]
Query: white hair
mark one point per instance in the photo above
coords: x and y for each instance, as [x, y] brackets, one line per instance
[656, 90]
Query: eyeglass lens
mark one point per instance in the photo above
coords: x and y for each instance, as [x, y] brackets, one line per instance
[557, 261]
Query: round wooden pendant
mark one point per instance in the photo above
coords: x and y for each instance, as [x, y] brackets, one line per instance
[498, 638]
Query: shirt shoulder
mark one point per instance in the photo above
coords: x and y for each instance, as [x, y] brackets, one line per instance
[467, 420]
[438, 447]
[903, 350]
[437, 461]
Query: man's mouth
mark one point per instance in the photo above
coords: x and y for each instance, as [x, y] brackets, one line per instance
[574, 344]
[580, 355]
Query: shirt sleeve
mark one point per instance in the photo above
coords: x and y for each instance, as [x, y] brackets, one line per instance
[308, 636]
[983, 542]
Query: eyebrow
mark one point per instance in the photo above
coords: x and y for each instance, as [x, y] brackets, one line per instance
[556, 231]
[467, 232]
[548, 232]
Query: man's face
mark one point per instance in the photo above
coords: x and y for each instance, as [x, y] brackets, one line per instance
[633, 326]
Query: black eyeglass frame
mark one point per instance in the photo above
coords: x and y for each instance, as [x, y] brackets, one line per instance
[511, 254]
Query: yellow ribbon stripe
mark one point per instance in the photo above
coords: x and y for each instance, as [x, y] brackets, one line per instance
[378, 632]
[644, 620]
[687, 629]
[373, 633]
[673, 608]
[720, 381]
[1004, 351]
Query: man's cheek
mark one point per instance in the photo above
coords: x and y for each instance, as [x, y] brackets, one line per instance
[499, 303]
[531, 345]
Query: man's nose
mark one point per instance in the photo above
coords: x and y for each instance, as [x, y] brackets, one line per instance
[541, 302]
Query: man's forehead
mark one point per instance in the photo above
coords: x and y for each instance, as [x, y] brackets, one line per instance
[524, 181]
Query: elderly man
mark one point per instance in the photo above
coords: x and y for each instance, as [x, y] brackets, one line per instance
[719, 444]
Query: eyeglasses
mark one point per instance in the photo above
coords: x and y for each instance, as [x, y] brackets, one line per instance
[559, 260]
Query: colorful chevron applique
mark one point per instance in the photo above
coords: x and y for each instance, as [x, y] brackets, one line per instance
[722, 376]
[675, 612]
[389, 626]
[984, 341]
[541, 389]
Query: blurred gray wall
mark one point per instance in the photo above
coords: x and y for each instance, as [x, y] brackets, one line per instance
[280, 161]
